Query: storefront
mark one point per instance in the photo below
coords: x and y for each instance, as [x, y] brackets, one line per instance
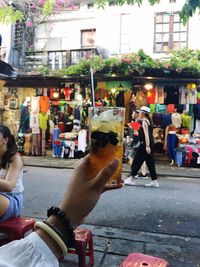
[45, 120]
[51, 114]
[175, 114]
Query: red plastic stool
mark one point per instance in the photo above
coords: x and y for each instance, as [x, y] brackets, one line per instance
[141, 260]
[84, 247]
[15, 228]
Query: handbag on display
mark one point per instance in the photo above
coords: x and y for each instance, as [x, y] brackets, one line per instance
[13, 102]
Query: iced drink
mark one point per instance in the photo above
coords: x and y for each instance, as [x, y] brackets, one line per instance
[106, 129]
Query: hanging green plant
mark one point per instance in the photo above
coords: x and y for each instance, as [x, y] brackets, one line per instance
[185, 62]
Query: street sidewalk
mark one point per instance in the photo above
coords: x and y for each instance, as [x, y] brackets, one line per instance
[112, 245]
[162, 167]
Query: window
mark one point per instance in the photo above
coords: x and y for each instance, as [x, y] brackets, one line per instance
[88, 38]
[120, 39]
[169, 32]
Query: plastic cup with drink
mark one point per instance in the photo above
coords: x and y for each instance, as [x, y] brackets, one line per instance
[106, 130]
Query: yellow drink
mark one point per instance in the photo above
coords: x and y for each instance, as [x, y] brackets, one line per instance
[106, 140]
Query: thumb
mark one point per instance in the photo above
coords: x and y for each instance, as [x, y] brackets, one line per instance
[101, 179]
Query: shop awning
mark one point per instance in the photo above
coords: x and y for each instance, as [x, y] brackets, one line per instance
[5, 69]
[37, 81]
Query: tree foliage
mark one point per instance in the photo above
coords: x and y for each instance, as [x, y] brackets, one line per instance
[8, 15]
[43, 8]
[185, 62]
[189, 8]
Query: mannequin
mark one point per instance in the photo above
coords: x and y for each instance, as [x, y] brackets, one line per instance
[176, 119]
[172, 141]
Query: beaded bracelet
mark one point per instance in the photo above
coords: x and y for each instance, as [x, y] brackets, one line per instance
[70, 236]
[53, 235]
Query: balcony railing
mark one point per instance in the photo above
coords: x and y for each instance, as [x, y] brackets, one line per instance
[57, 59]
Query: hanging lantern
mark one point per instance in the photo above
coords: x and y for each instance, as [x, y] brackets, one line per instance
[191, 86]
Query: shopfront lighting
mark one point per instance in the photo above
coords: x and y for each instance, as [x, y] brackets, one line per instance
[148, 86]
[55, 94]
[28, 99]
[113, 91]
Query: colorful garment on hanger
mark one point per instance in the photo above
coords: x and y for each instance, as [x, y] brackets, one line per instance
[35, 107]
[68, 91]
[192, 96]
[24, 119]
[100, 94]
[179, 158]
[43, 117]
[82, 140]
[186, 120]
[160, 95]
[152, 108]
[151, 96]
[197, 111]
[140, 99]
[171, 108]
[166, 120]
[157, 119]
[183, 95]
[44, 104]
[160, 108]
[34, 120]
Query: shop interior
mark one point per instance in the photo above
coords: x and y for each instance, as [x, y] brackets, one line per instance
[53, 121]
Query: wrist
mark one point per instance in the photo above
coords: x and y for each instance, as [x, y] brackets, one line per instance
[63, 223]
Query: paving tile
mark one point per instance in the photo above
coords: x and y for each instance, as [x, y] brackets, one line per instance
[112, 261]
[100, 243]
[124, 247]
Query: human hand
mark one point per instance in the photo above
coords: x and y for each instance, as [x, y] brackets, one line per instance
[83, 193]
[148, 149]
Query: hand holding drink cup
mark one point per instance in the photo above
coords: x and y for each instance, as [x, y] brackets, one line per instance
[106, 127]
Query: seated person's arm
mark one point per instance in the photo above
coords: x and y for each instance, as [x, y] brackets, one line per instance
[14, 169]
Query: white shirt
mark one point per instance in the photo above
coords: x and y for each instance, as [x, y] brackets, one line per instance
[30, 251]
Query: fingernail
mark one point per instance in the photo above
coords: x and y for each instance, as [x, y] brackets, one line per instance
[115, 163]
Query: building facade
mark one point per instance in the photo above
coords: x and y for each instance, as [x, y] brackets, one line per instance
[119, 30]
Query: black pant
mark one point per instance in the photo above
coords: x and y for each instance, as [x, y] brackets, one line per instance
[140, 157]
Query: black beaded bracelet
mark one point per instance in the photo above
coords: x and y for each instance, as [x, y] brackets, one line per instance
[55, 211]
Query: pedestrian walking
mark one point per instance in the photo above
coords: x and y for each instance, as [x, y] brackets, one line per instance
[11, 173]
[145, 150]
[134, 133]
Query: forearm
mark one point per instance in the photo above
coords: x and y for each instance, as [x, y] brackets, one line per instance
[5, 186]
[146, 135]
